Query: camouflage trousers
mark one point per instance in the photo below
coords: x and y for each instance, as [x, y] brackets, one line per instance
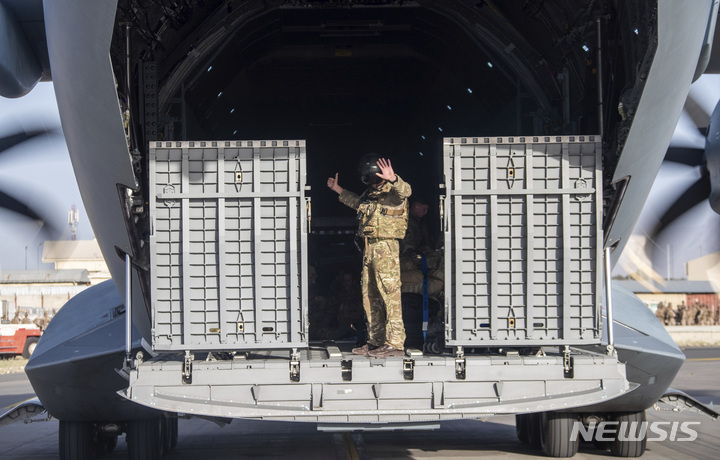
[381, 293]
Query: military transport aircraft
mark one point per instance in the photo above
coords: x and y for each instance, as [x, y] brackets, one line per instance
[347, 77]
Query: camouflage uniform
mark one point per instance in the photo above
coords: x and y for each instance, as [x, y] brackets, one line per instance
[382, 218]
[417, 238]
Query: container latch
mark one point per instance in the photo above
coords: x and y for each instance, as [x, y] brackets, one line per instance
[346, 366]
[568, 370]
[187, 368]
[408, 369]
[460, 364]
[294, 366]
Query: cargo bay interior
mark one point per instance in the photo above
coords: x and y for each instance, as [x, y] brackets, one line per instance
[389, 77]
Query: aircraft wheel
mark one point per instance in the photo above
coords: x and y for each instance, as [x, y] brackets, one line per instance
[76, 440]
[555, 429]
[170, 433]
[145, 439]
[173, 432]
[30, 345]
[527, 427]
[630, 428]
[522, 428]
[110, 443]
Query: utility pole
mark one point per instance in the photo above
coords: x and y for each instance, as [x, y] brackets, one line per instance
[73, 219]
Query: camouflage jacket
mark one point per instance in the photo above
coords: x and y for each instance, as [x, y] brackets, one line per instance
[382, 213]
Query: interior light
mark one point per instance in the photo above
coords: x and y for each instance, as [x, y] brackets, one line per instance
[423, 137]
[439, 128]
[636, 31]
[220, 94]
[449, 108]
[209, 68]
[469, 91]
[490, 64]
[585, 47]
[232, 110]
[421, 154]
[235, 132]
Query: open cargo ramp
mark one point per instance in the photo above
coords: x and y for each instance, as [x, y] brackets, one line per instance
[229, 290]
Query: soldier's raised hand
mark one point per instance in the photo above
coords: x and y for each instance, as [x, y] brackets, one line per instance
[386, 170]
[332, 184]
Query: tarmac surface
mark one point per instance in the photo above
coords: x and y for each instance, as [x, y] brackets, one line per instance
[465, 439]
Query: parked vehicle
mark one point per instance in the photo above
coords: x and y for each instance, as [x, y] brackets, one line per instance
[18, 339]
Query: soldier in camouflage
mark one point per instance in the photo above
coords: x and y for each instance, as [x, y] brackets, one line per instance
[382, 212]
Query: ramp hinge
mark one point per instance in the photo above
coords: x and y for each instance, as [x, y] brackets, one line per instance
[346, 366]
[294, 366]
[187, 368]
[460, 364]
[568, 371]
[408, 369]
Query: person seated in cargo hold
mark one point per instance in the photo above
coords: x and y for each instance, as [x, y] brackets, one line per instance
[417, 245]
[382, 214]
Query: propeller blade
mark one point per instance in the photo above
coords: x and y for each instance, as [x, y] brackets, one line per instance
[712, 159]
[14, 205]
[695, 194]
[12, 140]
[685, 155]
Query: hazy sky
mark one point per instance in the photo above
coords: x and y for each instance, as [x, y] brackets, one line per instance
[39, 173]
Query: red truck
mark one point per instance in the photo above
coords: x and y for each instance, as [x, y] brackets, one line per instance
[18, 339]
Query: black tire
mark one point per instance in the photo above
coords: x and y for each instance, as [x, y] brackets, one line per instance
[173, 432]
[170, 433]
[110, 442]
[144, 439]
[630, 426]
[76, 440]
[30, 344]
[522, 428]
[527, 428]
[104, 444]
[535, 430]
[556, 428]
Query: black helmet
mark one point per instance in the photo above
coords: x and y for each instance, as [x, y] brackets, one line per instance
[368, 169]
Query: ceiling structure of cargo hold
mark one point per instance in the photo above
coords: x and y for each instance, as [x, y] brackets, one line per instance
[385, 75]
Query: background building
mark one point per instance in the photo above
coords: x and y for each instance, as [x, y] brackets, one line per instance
[706, 268]
[675, 292]
[74, 255]
[39, 291]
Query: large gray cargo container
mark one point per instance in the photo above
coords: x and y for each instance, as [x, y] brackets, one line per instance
[228, 248]
[523, 240]
[229, 289]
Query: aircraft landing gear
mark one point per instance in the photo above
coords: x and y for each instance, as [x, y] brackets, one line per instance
[85, 440]
[527, 427]
[76, 440]
[555, 434]
[549, 432]
[145, 439]
[170, 433]
[152, 439]
[630, 440]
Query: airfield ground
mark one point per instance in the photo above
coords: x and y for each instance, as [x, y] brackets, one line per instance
[454, 440]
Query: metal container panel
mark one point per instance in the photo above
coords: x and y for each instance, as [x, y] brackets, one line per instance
[522, 231]
[228, 248]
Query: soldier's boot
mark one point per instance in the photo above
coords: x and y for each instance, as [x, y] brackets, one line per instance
[386, 351]
[364, 350]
